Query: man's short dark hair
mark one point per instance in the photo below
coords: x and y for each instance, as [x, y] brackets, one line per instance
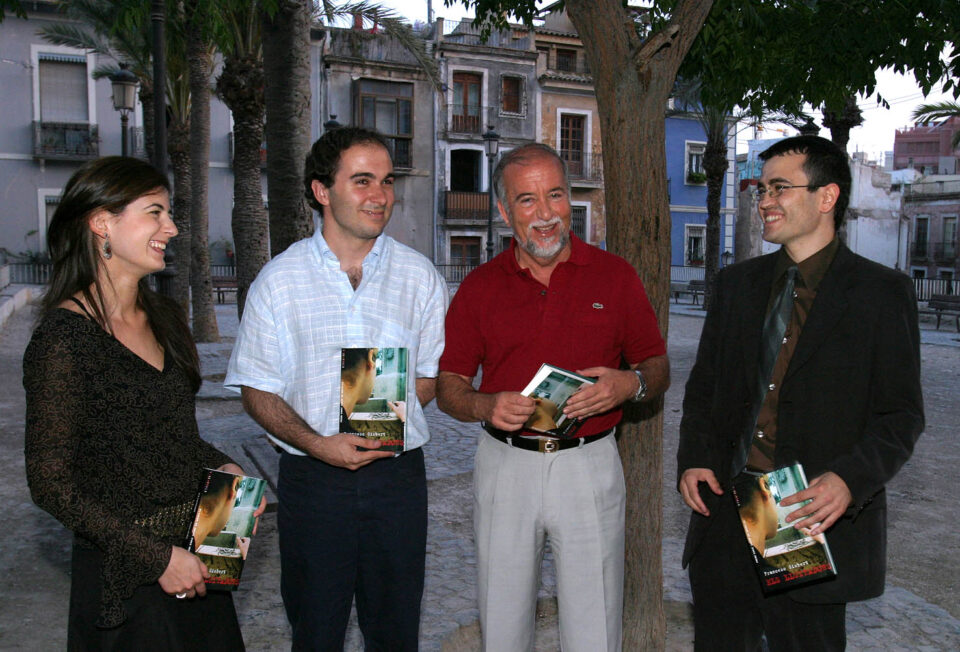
[522, 155]
[324, 157]
[826, 163]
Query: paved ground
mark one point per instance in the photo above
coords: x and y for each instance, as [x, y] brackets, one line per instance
[918, 612]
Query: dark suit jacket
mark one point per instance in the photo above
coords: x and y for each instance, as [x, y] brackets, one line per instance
[850, 401]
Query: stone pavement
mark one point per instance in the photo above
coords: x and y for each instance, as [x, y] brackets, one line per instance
[918, 612]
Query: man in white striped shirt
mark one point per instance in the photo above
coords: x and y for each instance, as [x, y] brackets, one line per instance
[352, 519]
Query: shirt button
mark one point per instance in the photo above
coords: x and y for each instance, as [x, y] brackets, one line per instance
[759, 434]
[784, 340]
[771, 386]
[795, 295]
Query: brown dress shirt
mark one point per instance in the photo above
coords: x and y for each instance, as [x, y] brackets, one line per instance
[809, 274]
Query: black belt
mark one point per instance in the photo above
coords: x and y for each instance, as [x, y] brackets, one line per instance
[544, 445]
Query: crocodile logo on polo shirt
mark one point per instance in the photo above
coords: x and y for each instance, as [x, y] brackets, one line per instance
[598, 306]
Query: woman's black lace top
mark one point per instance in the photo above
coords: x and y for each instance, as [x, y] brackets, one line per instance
[112, 450]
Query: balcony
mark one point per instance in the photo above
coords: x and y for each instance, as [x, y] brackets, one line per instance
[583, 169]
[918, 251]
[931, 190]
[468, 207]
[65, 141]
[465, 119]
[465, 33]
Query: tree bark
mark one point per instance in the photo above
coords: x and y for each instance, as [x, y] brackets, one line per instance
[715, 166]
[286, 63]
[632, 80]
[178, 148]
[841, 119]
[199, 61]
[240, 85]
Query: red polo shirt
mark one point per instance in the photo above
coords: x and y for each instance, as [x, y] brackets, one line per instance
[594, 313]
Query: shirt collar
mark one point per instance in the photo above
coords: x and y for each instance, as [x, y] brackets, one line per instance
[327, 257]
[813, 268]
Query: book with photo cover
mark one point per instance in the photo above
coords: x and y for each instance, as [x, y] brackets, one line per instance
[551, 387]
[373, 395]
[784, 556]
[223, 523]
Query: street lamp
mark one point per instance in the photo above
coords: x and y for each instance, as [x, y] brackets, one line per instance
[726, 257]
[331, 123]
[491, 144]
[124, 85]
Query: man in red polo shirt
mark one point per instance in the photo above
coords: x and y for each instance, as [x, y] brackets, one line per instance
[551, 298]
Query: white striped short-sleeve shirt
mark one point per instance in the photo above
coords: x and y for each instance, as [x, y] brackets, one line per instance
[301, 311]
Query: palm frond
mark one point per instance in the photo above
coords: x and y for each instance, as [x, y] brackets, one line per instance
[927, 113]
[76, 37]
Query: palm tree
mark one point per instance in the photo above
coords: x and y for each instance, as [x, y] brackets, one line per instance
[240, 86]
[200, 61]
[926, 113]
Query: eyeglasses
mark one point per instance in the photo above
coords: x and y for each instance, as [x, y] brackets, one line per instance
[777, 189]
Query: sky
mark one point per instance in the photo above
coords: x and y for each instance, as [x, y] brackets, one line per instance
[874, 136]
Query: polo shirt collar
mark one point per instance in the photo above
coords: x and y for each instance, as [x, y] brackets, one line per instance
[579, 255]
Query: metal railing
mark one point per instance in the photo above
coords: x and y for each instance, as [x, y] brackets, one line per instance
[461, 120]
[462, 205]
[65, 141]
[684, 273]
[456, 272]
[582, 166]
[30, 273]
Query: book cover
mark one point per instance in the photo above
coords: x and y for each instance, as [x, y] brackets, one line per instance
[223, 524]
[551, 387]
[784, 556]
[373, 392]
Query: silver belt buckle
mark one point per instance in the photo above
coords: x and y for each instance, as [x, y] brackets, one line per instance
[549, 446]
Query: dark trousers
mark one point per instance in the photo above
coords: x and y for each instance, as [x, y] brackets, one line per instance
[356, 533]
[155, 621]
[729, 610]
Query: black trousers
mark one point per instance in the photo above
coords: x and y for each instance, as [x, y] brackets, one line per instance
[729, 610]
[346, 534]
[156, 622]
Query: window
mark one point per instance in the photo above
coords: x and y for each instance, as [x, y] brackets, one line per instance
[464, 250]
[465, 170]
[572, 144]
[63, 88]
[566, 60]
[695, 240]
[388, 108]
[578, 221]
[505, 242]
[694, 173]
[949, 237]
[921, 236]
[511, 94]
[466, 102]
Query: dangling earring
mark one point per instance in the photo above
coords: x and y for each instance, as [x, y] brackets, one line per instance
[107, 249]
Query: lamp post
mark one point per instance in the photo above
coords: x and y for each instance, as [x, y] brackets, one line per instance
[491, 144]
[124, 85]
[726, 257]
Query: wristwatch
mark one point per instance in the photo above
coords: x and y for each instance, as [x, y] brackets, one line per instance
[642, 389]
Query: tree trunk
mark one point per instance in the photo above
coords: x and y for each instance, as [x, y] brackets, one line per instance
[146, 103]
[198, 57]
[241, 87]
[840, 120]
[638, 228]
[715, 166]
[286, 63]
[178, 148]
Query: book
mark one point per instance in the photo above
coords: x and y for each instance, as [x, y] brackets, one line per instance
[223, 524]
[373, 395]
[551, 387]
[784, 556]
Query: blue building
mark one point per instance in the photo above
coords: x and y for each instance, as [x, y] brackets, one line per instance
[687, 188]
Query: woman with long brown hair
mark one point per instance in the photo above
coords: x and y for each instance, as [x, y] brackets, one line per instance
[112, 446]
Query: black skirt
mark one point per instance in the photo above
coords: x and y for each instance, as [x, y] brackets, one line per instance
[155, 621]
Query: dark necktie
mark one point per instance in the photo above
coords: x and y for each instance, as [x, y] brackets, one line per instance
[774, 326]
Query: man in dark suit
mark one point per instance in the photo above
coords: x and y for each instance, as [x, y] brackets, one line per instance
[840, 394]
